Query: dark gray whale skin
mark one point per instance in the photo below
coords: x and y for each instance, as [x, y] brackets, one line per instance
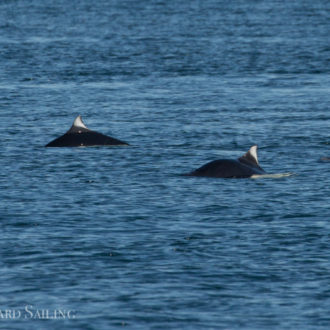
[244, 167]
[81, 136]
[226, 168]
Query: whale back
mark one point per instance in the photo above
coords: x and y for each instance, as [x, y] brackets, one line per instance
[80, 136]
[225, 168]
[245, 167]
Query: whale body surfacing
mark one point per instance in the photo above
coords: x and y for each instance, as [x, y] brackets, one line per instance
[80, 136]
[244, 167]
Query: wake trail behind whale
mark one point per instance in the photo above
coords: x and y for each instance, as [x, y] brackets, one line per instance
[271, 176]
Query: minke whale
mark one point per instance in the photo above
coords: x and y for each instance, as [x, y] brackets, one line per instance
[80, 136]
[244, 167]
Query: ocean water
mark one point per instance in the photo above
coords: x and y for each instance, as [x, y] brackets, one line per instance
[115, 237]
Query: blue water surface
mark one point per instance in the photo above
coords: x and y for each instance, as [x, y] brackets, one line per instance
[115, 237]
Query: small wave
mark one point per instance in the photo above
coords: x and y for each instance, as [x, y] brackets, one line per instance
[271, 176]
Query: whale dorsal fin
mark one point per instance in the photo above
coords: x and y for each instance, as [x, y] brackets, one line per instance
[78, 123]
[78, 126]
[251, 157]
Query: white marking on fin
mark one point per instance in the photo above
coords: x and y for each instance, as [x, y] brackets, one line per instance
[250, 157]
[78, 123]
[253, 153]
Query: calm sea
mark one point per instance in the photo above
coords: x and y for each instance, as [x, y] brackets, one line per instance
[115, 237]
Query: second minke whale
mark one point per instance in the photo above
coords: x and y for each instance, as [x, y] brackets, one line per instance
[246, 166]
[80, 136]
